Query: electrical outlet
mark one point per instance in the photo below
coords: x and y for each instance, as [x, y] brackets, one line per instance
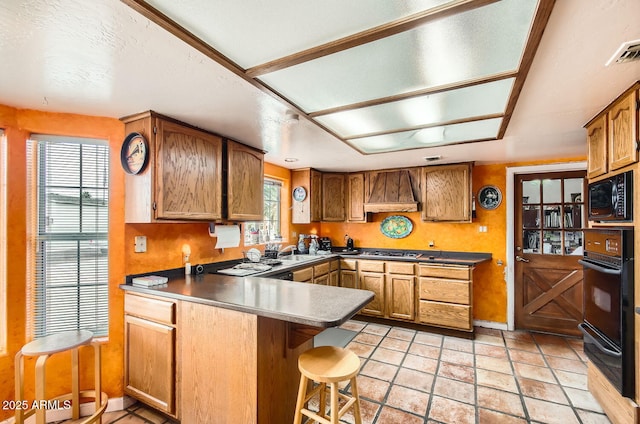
[140, 244]
[431, 243]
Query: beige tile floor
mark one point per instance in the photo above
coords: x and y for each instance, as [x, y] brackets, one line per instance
[417, 377]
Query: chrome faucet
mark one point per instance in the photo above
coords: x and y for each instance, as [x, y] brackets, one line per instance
[291, 246]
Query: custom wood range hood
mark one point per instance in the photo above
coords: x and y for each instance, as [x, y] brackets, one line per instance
[391, 192]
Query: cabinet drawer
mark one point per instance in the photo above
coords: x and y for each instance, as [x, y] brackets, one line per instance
[321, 269]
[403, 268]
[446, 271]
[303, 275]
[334, 265]
[445, 314]
[371, 266]
[350, 264]
[443, 290]
[161, 311]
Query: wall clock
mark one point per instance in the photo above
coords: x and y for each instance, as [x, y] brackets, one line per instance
[134, 154]
[299, 194]
[489, 197]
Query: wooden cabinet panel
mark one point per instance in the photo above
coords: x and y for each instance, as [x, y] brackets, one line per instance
[407, 268]
[445, 314]
[303, 275]
[443, 290]
[188, 170]
[446, 193]
[321, 269]
[157, 310]
[376, 283]
[355, 198]
[349, 279]
[245, 181]
[597, 145]
[401, 296]
[150, 357]
[445, 271]
[371, 266]
[334, 264]
[322, 280]
[623, 131]
[333, 204]
[334, 278]
[310, 209]
[350, 264]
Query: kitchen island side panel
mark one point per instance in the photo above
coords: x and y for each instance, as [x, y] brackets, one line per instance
[236, 367]
[219, 368]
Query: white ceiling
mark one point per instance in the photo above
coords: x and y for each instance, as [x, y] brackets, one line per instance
[103, 58]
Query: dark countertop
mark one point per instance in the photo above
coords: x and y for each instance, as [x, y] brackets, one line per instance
[431, 256]
[308, 304]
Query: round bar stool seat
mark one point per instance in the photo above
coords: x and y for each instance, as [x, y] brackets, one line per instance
[43, 348]
[328, 365]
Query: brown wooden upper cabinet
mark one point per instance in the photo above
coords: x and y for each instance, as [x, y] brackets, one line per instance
[446, 193]
[333, 204]
[597, 144]
[310, 208]
[183, 177]
[355, 198]
[613, 136]
[245, 182]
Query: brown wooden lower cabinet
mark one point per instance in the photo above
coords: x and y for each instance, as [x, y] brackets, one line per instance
[431, 294]
[445, 314]
[401, 297]
[187, 365]
[374, 282]
[150, 352]
[445, 296]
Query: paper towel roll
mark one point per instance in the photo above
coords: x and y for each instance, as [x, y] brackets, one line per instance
[227, 236]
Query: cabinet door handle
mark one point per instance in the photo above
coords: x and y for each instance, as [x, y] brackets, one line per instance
[521, 259]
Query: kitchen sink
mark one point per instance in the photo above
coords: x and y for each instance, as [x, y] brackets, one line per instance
[299, 258]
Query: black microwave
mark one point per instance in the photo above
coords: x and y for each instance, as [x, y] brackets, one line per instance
[611, 199]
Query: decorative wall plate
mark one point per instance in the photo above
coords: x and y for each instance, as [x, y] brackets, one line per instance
[396, 226]
[299, 194]
[489, 197]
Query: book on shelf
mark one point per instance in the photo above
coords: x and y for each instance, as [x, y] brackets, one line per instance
[149, 281]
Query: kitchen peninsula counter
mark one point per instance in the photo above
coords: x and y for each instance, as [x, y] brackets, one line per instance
[307, 304]
[223, 349]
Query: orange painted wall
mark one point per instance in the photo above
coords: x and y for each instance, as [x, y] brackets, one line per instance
[18, 125]
[489, 285]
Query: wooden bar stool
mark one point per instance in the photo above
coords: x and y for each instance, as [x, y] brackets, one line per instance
[45, 347]
[328, 365]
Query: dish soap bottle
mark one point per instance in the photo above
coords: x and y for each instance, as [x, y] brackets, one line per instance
[313, 245]
[302, 247]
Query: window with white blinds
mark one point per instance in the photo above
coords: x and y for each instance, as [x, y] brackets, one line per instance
[3, 243]
[68, 260]
[269, 229]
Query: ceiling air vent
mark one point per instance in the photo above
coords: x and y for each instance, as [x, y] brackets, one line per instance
[626, 53]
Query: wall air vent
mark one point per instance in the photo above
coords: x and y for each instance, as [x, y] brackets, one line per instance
[626, 53]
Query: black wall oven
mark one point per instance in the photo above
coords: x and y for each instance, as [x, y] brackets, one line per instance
[608, 324]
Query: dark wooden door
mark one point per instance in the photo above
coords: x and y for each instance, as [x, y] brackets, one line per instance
[549, 217]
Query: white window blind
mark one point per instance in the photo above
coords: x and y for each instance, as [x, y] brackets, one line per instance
[69, 210]
[3, 243]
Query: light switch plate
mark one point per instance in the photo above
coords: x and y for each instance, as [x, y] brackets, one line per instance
[140, 244]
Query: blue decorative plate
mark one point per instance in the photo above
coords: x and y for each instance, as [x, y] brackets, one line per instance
[396, 226]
